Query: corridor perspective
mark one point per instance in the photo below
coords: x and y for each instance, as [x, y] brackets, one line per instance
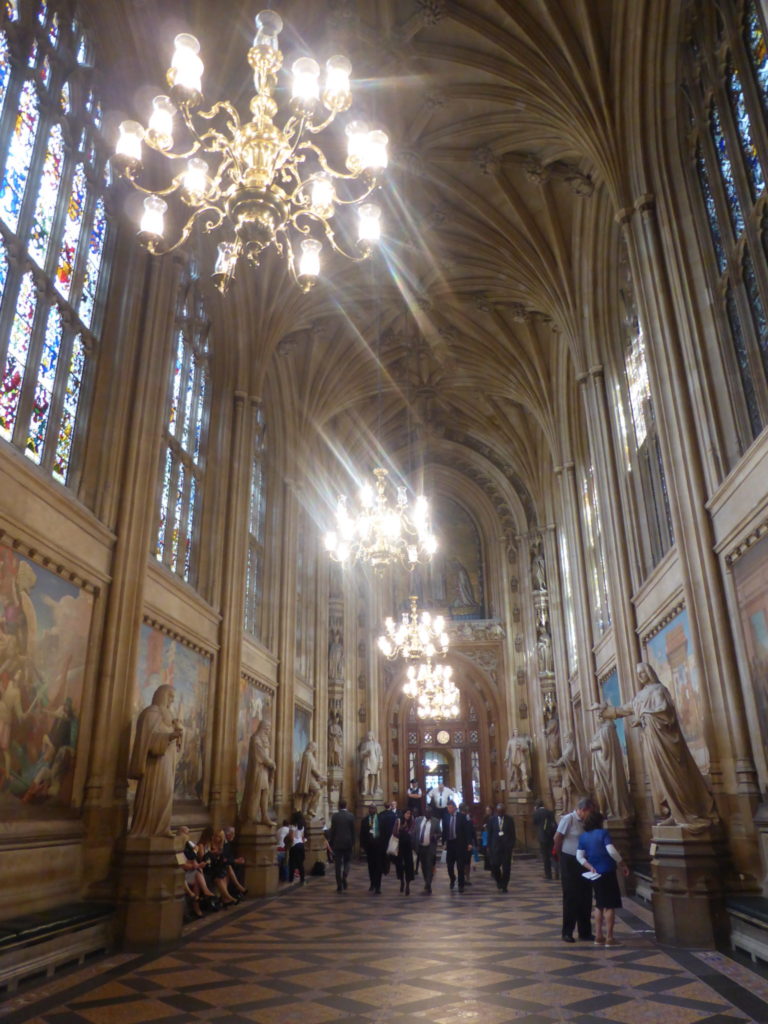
[312, 956]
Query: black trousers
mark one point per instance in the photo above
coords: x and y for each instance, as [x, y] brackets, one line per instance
[427, 857]
[296, 860]
[545, 845]
[455, 857]
[375, 858]
[577, 897]
[341, 859]
[501, 869]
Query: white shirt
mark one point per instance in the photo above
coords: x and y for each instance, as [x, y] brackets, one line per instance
[282, 832]
[426, 832]
[570, 828]
[439, 799]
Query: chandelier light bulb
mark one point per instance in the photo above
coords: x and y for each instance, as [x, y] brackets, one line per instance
[357, 141]
[322, 196]
[196, 180]
[160, 128]
[374, 156]
[306, 84]
[186, 72]
[226, 261]
[337, 94]
[128, 148]
[309, 262]
[152, 220]
[369, 224]
[269, 25]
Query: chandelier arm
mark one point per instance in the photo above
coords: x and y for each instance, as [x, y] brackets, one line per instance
[321, 159]
[365, 252]
[158, 249]
[175, 184]
[223, 106]
[315, 129]
[338, 201]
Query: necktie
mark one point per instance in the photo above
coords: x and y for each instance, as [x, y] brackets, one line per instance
[452, 834]
[375, 827]
[423, 830]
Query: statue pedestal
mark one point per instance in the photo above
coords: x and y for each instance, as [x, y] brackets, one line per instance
[520, 806]
[257, 844]
[687, 888]
[150, 893]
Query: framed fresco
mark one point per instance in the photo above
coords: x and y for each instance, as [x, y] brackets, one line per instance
[162, 659]
[612, 696]
[253, 705]
[302, 734]
[45, 623]
[750, 576]
[670, 654]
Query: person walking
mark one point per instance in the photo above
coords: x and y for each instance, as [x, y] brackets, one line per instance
[427, 836]
[501, 843]
[457, 835]
[405, 831]
[597, 853]
[341, 838]
[296, 852]
[577, 891]
[372, 846]
[545, 825]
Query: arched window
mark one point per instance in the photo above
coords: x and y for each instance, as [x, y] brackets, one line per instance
[186, 430]
[725, 79]
[53, 231]
[254, 574]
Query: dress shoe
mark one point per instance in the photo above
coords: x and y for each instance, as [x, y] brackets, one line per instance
[461, 888]
[568, 938]
[402, 885]
[371, 888]
[338, 888]
[407, 888]
[344, 882]
[505, 888]
[377, 892]
[453, 883]
[586, 938]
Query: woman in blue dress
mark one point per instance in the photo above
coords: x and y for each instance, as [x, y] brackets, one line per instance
[597, 853]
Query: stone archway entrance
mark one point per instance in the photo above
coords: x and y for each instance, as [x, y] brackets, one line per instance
[456, 752]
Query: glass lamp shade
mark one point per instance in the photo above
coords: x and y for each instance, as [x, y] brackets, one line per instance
[152, 219]
[374, 155]
[160, 129]
[196, 181]
[128, 148]
[369, 224]
[186, 72]
[322, 196]
[357, 140]
[306, 82]
[269, 25]
[337, 95]
[309, 261]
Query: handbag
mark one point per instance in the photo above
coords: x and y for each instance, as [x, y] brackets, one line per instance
[393, 846]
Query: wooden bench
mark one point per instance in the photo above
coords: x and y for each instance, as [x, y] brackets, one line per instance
[35, 945]
[749, 924]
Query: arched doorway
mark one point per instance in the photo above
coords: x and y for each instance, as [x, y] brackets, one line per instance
[458, 752]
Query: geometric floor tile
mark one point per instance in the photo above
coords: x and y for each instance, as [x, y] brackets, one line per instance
[312, 956]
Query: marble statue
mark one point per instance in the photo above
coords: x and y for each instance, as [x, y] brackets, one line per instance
[538, 567]
[518, 762]
[611, 788]
[259, 776]
[678, 790]
[552, 737]
[153, 763]
[571, 782]
[310, 782]
[371, 763]
[336, 655]
[544, 649]
[335, 741]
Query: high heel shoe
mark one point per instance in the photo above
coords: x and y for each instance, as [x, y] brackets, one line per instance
[196, 907]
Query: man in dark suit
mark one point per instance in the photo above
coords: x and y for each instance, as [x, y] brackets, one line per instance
[341, 838]
[427, 835]
[501, 842]
[457, 835]
[373, 848]
[387, 820]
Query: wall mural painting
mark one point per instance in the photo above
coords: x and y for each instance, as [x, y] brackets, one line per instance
[453, 583]
[750, 575]
[670, 654]
[164, 660]
[44, 626]
[253, 705]
[612, 696]
[302, 734]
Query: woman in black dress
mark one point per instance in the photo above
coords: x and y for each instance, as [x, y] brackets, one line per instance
[405, 830]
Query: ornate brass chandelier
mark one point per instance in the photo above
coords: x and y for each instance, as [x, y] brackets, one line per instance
[435, 692]
[382, 534]
[415, 636]
[265, 186]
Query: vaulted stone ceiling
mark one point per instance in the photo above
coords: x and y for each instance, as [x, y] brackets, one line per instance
[506, 124]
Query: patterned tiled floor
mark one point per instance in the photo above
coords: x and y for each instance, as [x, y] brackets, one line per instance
[311, 955]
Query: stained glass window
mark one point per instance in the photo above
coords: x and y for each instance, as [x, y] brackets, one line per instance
[183, 464]
[52, 207]
[725, 77]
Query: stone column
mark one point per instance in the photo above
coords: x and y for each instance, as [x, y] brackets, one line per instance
[286, 653]
[146, 378]
[687, 888]
[257, 844]
[150, 893]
